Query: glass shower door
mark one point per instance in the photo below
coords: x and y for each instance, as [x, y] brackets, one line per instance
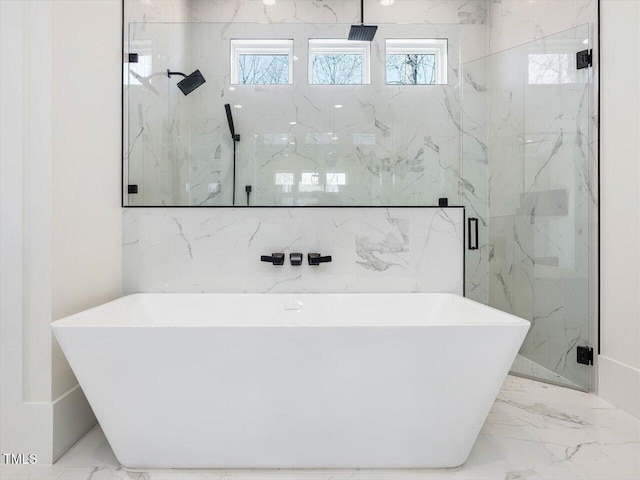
[526, 180]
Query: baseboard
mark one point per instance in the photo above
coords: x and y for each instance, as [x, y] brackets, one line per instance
[619, 384]
[72, 419]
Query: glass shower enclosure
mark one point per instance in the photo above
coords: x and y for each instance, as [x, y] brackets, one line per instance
[506, 135]
[526, 182]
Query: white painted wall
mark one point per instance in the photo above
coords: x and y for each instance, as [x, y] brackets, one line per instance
[59, 192]
[86, 181]
[619, 362]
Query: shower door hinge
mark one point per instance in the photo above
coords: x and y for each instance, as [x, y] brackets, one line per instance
[585, 355]
[132, 189]
[133, 58]
[584, 59]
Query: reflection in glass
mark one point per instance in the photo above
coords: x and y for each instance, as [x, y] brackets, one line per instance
[285, 180]
[551, 68]
[334, 181]
[309, 182]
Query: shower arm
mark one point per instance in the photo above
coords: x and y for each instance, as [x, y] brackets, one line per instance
[169, 73]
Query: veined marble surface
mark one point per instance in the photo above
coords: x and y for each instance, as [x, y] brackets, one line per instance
[533, 432]
[218, 250]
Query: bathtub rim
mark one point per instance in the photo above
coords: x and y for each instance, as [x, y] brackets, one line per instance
[83, 318]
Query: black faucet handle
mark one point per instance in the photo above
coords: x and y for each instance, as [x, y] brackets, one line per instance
[274, 258]
[317, 259]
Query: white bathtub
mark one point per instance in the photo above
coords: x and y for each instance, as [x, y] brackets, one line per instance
[291, 381]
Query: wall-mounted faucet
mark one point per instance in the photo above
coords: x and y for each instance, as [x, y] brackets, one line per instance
[316, 259]
[274, 258]
[277, 259]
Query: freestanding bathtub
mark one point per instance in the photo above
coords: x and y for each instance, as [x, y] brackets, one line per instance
[291, 380]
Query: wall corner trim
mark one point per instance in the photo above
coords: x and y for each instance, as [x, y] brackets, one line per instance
[619, 384]
[72, 419]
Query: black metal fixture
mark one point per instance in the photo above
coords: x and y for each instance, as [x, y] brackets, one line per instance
[247, 189]
[584, 355]
[236, 138]
[274, 258]
[316, 259]
[584, 59]
[473, 233]
[132, 189]
[295, 259]
[443, 202]
[362, 32]
[190, 82]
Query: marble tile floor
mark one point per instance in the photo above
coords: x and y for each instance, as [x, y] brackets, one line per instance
[535, 431]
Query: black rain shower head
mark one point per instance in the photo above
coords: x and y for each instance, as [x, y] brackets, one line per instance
[190, 82]
[362, 32]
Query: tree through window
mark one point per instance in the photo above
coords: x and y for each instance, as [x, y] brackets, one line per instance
[261, 62]
[416, 61]
[338, 62]
[263, 69]
[411, 69]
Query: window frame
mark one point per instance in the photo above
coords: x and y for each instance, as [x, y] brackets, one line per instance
[327, 46]
[259, 46]
[416, 46]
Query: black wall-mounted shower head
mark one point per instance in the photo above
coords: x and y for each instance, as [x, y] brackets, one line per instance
[190, 82]
[362, 32]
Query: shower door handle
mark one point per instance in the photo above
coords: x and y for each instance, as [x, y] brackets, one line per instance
[473, 233]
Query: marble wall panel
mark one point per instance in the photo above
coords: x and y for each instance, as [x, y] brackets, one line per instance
[373, 250]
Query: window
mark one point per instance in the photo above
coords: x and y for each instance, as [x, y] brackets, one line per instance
[261, 62]
[339, 62]
[416, 61]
